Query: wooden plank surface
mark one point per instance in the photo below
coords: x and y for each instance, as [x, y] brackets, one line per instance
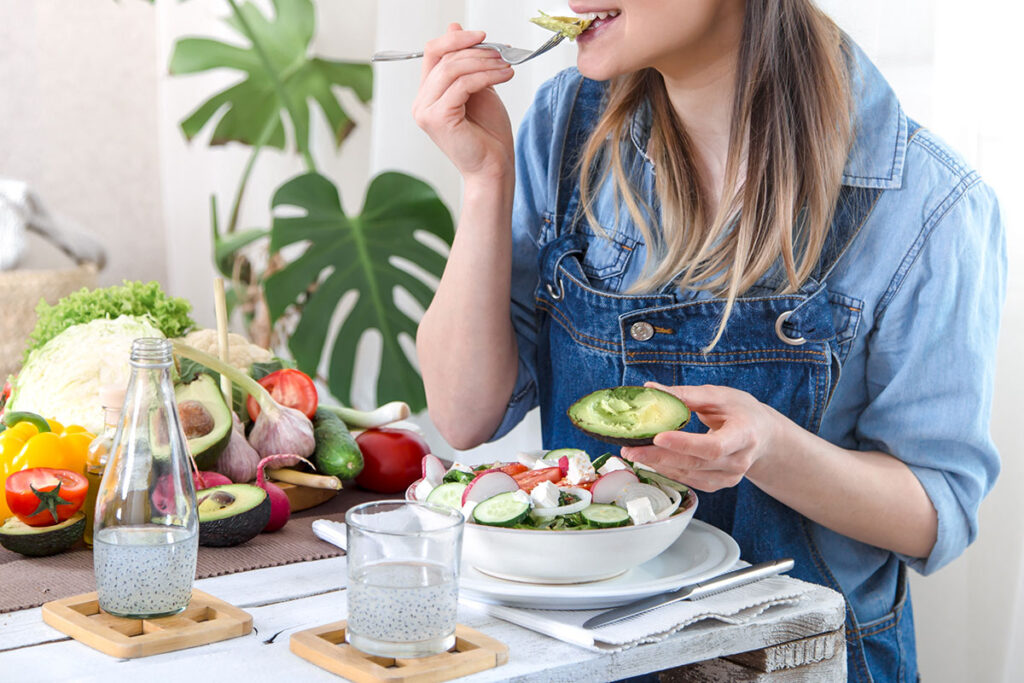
[283, 600]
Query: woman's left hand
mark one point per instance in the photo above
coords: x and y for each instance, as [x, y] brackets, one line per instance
[742, 433]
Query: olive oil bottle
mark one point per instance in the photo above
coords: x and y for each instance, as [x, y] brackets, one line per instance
[111, 398]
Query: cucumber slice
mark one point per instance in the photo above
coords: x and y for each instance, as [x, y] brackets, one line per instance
[652, 477]
[605, 516]
[554, 455]
[448, 495]
[601, 460]
[504, 509]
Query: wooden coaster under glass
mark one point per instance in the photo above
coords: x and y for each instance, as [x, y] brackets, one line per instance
[205, 620]
[325, 646]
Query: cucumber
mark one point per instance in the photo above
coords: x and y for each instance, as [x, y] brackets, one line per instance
[504, 509]
[337, 453]
[601, 460]
[554, 455]
[652, 477]
[448, 495]
[605, 516]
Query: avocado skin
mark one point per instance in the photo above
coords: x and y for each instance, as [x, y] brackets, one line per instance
[639, 440]
[238, 526]
[42, 540]
[206, 449]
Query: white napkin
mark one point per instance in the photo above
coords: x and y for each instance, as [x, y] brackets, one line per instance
[735, 606]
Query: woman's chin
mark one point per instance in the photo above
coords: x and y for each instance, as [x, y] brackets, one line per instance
[596, 67]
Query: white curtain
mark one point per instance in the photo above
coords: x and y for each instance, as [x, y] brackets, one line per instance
[957, 68]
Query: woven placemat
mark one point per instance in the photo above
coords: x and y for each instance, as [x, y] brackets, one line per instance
[30, 581]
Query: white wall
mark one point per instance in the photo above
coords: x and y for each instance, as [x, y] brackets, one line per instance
[89, 117]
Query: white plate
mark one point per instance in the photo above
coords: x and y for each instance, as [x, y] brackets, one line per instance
[701, 552]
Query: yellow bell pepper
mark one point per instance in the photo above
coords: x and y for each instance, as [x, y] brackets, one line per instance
[23, 446]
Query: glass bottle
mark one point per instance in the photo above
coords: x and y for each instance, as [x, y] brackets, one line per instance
[146, 532]
[111, 398]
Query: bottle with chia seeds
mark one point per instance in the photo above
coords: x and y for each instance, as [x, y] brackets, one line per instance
[146, 528]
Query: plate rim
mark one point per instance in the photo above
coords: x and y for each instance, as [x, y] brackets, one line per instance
[598, 594]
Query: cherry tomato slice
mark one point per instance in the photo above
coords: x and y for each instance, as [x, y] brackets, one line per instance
[528, 480]
[43, 496]
[289, 387]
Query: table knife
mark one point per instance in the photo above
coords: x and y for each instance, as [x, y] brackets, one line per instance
[722, 582]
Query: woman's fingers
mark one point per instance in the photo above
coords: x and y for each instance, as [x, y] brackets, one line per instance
[702, 398]
[453, 66]
[455, 39]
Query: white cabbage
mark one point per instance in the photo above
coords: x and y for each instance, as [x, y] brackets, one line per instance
[62, 378]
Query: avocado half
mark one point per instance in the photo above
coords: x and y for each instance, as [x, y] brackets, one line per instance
[231, 514]
[39, 541]
[628, 416]
[205, 418]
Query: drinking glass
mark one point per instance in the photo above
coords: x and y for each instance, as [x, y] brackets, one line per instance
[403, 577]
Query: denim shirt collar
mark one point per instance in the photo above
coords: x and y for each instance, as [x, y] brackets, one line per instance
[880, 128]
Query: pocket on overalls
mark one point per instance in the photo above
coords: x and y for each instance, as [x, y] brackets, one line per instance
[606, 258]
[846, 314]
[888, 641]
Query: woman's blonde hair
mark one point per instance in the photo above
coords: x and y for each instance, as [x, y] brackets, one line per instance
[791, 131]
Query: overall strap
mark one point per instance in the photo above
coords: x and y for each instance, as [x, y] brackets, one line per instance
[586, 107]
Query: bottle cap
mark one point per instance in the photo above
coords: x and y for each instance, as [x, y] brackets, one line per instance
[112, 395]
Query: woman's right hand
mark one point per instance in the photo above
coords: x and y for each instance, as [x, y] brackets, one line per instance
[458, 107]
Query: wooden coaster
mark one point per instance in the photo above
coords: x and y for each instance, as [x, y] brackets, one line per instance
[205, 620]
[325, 646]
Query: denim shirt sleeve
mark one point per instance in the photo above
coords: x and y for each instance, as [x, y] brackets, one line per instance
[529, 214]
[930, 369]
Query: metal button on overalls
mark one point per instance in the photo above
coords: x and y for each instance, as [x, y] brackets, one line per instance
[641, 331]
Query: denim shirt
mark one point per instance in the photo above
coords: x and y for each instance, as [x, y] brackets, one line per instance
[923, 283]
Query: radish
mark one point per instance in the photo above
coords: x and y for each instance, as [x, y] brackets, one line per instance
[433, 469]
[487, 485]
[207, 480]
[607, 487]
[563, 465]
[280, 507]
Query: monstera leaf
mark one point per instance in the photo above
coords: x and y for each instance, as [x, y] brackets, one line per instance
[279, 76]
[356, 253]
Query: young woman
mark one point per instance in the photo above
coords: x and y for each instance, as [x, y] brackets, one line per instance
[726, 199]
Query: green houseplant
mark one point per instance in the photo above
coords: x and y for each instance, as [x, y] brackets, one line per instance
[282, 85]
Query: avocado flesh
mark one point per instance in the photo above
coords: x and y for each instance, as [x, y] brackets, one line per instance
[231, 514]
[208, 446]
[628, 416]
[40, 541]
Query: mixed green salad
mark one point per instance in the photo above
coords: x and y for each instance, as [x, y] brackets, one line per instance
[560, 489]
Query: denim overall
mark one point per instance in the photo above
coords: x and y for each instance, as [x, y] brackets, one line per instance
[782, 349]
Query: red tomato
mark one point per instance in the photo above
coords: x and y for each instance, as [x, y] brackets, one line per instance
[514, 468]
[528, 480]
[391, 459]
[292, 388]
[564, 483]
[42, 496]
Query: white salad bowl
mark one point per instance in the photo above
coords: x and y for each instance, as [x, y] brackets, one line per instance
[569, 556]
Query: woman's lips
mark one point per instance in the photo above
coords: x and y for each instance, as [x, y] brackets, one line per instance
[595, 28]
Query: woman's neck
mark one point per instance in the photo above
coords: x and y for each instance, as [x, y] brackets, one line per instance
[701, 86]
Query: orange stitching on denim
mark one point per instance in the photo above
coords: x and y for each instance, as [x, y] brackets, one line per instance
[663, 330]
[666, 361]
[881, 630]
[564, 321]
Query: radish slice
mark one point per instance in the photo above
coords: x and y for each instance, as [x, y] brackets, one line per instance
[433, 469]
[488, 484]
[677, 500]
[584, 500]
[659, 499]
[563, 464]
[608, 486]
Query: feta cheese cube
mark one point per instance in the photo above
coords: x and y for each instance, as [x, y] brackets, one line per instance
[522, 496]
[580, 469]
[545, 495]
[640, 510]
[542, 464]
[611, 465]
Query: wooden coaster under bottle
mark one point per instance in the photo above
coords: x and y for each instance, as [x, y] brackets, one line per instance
[205, 620]
[325, 646]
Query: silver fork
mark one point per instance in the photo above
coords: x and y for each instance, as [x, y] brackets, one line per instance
[512, 55]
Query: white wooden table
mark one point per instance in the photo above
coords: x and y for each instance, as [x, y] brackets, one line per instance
[798, 642]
